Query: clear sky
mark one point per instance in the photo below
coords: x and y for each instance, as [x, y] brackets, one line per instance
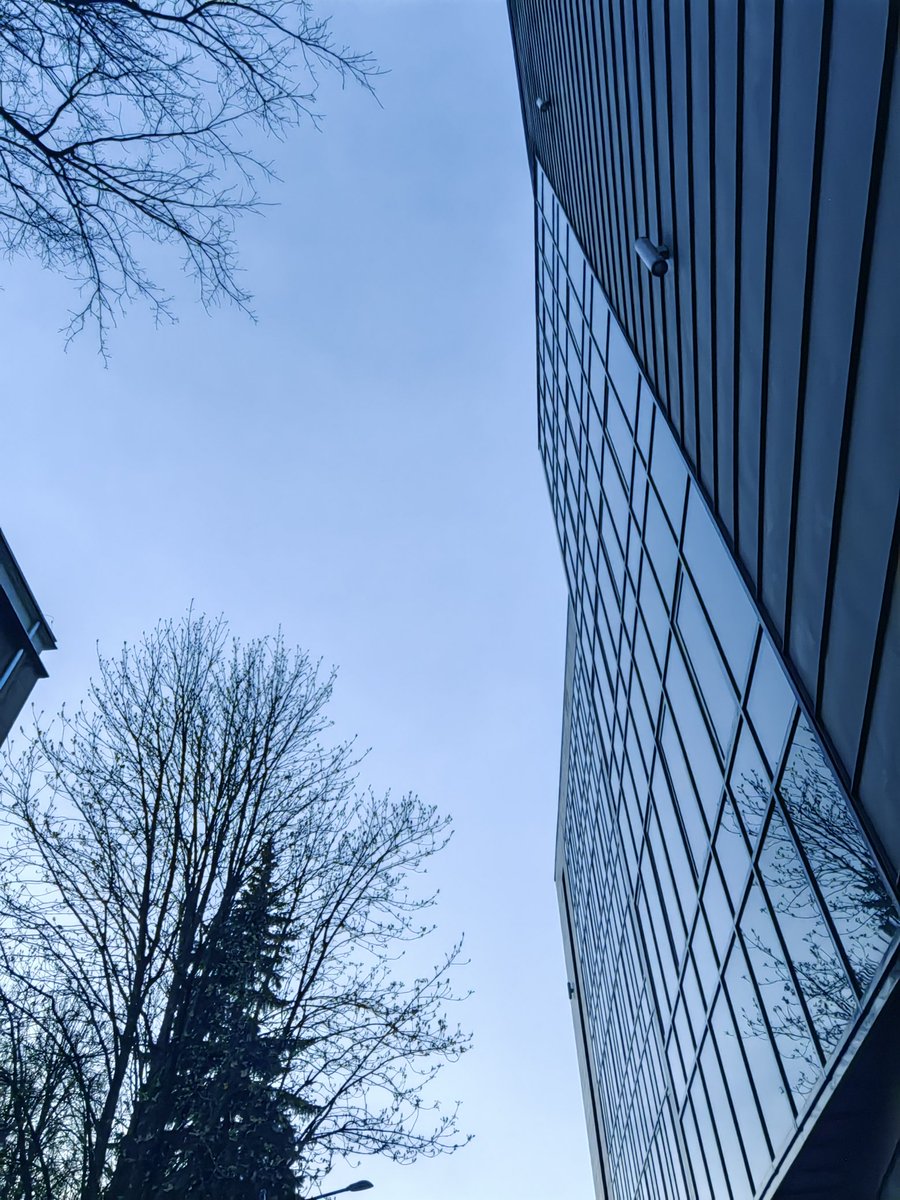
[361, 468]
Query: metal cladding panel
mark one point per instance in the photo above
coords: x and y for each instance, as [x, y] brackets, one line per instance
[862, 1112]
[760, 142]
[851, 106]
[17, 652]
[881, 765]
[23, 634]
[10, 636]
[801, 39]
[16, 692]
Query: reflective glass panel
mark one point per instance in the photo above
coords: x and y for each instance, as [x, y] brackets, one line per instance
[695, 1157]
[645, 422]
[688, 807]
[647, 668]
[668, 473]
[784, 1012]
[676, 1062]
[858, 902]
[599, 319]
[717, 910]
[712, 678]
[830, 1000]
[758, 1049]
[614, 493]
[720, 586]
[737, 1076]
[661, 549]
[712, 1156]
[771, 704]
[705, 961]
[623, 369]
[653, 614]
[749, 782]
[619, 435]
[693, 996]
[729, 1142]
[695, 735]
[732, 854]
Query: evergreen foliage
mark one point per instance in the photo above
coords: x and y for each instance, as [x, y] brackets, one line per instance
[229, 1134]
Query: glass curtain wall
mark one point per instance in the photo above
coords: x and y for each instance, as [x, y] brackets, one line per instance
[730, 918]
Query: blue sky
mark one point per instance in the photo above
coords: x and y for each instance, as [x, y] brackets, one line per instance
[359, 467]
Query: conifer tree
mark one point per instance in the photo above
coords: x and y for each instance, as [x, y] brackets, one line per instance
[227, 1131]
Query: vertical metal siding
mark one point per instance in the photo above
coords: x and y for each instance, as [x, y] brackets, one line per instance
[801, 45]
[724, 51]
[880, 766]
[702, 115]
[851, 102]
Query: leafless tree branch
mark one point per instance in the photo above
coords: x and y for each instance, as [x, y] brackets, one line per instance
[122, 121]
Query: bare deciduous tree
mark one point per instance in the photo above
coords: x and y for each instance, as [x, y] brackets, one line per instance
[42, 1059]
[132, 829]
[127, 119]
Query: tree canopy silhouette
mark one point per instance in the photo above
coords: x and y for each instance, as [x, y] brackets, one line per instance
[184, 850]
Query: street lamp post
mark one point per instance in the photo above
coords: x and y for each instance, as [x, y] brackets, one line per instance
[361, 1185]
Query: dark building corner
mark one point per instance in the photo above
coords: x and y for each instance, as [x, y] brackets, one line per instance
[24, 637]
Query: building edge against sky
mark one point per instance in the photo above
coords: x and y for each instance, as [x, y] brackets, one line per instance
[24, 636]
[720, 451]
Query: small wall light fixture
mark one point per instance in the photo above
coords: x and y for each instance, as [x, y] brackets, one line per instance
[654, 258]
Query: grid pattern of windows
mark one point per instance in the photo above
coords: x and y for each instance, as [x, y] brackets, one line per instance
[729, 915]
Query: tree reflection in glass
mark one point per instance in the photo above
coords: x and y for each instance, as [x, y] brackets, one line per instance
[800, 972]
[862, 910]
[782, 1005]
[749, 783]
[830, 1000]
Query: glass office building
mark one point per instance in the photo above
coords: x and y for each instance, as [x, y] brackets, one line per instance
[729, 919]
[24, 636]
[720, 443]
